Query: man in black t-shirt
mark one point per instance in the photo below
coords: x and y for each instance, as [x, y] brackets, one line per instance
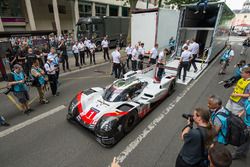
[196, 140]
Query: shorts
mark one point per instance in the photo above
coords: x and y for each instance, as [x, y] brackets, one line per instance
[23, 96]
[235, 108]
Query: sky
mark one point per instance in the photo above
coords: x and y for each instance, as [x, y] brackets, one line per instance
[235, 4]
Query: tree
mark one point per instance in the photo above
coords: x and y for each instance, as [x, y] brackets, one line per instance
[181, 2]
[132, 4]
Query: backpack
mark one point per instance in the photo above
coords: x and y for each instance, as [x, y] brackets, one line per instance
[237, 132]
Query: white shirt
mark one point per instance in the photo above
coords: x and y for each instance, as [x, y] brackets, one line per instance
[185, 44]
[135, 54]
[105, 43]
[92, 46]
[116, 56]
[194, 48]
[141, 50]
[86, 43]
[49, 68]
[129, 50]
[161, 57]
[186, 55]
[81, 46]
[154, 53]
[75, 49]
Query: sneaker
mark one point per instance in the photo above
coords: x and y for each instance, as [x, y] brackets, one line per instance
[196, 12]
[5, 124]
[27, 112]
[44, 101]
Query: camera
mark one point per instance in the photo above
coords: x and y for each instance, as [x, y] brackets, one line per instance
[188, 116]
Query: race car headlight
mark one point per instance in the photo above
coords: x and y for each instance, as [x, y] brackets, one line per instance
[108, 123]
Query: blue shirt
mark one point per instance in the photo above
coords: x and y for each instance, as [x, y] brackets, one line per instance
[247, 114]
[54, 57]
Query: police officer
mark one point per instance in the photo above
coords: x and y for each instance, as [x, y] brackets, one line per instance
[241, 92]
[184, 63]
[116, 58]
[194, 48]
[134, 58]
[154, 54]
[129, 50]
[51, 72]
[141, 51]
[105, 47]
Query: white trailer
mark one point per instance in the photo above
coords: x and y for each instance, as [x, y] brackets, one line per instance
[154, 26]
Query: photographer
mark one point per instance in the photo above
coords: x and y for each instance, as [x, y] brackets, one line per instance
[219, 121]
[39, 81]
[19, 88]
[245, 46]
[196, 140]
[225, 59]
[241, 92]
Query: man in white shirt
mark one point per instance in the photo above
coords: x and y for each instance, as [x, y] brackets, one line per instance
[92, 48]
[51, 72]
[141, 51]
[186, 55]
[160, 64]
[154, 54]
[86, 43]
[81, 48]
[75, 51]
[135, 55]
[116, 59]
[187, 43]
[105, 47]
[194, 49]
[129, 50]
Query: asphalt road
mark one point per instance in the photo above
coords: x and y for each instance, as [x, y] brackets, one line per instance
[53, 142]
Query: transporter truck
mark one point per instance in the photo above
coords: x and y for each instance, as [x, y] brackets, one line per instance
[96, 28]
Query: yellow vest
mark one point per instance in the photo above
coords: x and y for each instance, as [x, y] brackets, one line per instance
[239, 89]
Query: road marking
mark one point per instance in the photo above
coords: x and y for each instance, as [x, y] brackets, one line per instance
[124, 154]
[30, 121]
[14, 101]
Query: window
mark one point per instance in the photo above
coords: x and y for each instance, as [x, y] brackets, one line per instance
[10, 8]
[84, 9]
[113, 10]
[61, 9]
[100, 10]
[125, 11]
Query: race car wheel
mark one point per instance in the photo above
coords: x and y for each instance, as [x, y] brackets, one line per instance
[171, 88]
[130, 121]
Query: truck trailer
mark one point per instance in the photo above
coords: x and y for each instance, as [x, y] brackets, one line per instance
[211, 29]
[152, 26]
[96, 28]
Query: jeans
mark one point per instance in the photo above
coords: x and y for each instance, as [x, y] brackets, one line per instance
[82, 57]
[117, 69]
[192, 62]
[106, 52]
[53, 83]
[92, 57]
[76, 59]
[65, 60]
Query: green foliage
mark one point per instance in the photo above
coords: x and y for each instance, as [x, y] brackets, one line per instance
[181, 2]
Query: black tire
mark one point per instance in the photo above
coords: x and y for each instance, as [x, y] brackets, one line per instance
[130, 121]
[70, 118]
[172, 86]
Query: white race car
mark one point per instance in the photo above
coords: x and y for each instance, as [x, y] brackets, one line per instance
[114, 111]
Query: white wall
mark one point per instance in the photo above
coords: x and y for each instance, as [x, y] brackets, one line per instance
[143, 28]
[167, 26]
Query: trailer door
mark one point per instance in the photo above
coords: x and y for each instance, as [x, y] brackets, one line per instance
[167, 26]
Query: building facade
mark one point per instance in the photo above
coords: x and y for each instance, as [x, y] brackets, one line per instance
[242, 18]
[59, 15]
